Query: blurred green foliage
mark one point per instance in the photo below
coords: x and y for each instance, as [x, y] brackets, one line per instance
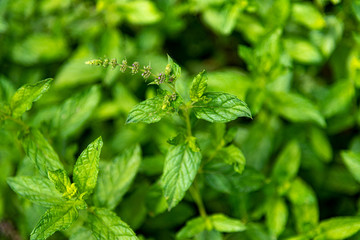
[295, 63]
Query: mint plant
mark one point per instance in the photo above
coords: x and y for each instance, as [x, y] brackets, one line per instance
[183, 159]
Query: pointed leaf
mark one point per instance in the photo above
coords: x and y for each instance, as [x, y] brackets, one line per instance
[198, 87]
[115, 178]
[87, 167]
[224, 223]
[352, 162]
[232, 155]
[148, 111]
[276, 216]
[222, 107]
[175, 68]
[39, 190]
[339, 227]
[56, 218]
[181, 166]
[106, 225]
[39, 150]
[23, 98]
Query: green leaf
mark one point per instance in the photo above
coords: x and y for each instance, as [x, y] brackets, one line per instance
[81, 234]
[148, 111]
[276, 216]
[303, 51]
[106, 225]
[222, 107]
[175, 68]
[23, 98]
[60, 179]
[321, 144]
[198, 87]
[76, 110]
[338, 98]
[352, 162]
[338, 227]
[287, 163]
[304, 205]
[87, 167]
[39, 190]
[115, 178]
[57, 218]
[223, 223]
[307, 15]
[295, 108]
[141, 12]
[180, 169]
[192, 228]
[232, 155]
[39, 150]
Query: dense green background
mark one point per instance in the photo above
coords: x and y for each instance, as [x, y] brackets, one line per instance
[295, 63]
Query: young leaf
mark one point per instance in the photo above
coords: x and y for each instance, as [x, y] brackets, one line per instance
[181, 166]
[276, 216]
[39, 150]
[338, 227]
[23, 98]
[198, 87]
[307, 15]
[39, 190]
[295, 108]
[233, 155]
[321, 144]
[223, 107]
[192, 227]
[106, 225]
[148, 111]
[60, 179]
[87, 167]
[76, 111]
[57, 218]
[304, 205]
[115, 178]
[223, 223]
[175, 69]
[352, 162]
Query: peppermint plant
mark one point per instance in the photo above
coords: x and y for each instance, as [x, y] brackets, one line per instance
[184, 158]
[67, 200]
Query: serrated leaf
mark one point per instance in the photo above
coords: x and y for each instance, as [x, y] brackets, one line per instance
[222, 107]
[352, 162]
[224, 223]
[192, 227]
[175, 68]
[338, 228]
[180, 168]
[76, 111]
[287, 163]
[57, 218]
[232, 155]
[39, 150]
[60, 179]
[304, 205]
[148, 111]
[198, 87]
[115, 178]
[23, 98]
[87, 167]
[106, 225]
[276, 216]
[39, 190]
[295, 108]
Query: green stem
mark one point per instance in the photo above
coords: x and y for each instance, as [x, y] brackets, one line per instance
[197, 198]
[186, 114]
